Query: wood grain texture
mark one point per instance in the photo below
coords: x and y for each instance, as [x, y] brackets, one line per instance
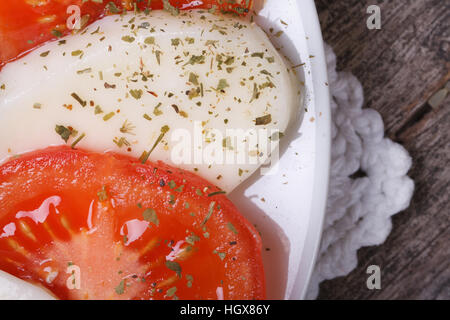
[401, 66]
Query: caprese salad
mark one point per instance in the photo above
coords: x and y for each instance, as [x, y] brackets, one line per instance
[123, 125]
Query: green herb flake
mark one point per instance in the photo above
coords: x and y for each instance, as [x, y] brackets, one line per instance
[121, 142]
[102, 194]
[258, 55]
[57, 33]
[64, 132]
[255, 94]
[232, 228]
[44, 54]
[77, 140]
[175, 42]
[229, 61]
[196, 60]
[77, 97]
[112, 7]
[151, 216]
[137, 94]
[171, 184]
[158, 56]
[170, 292]
[192, 239]
[263, 120]
[169, 8]
[210, 212]
[145, 154]
[108, 116]
[189, 279]
[127, 127]
[216, 193]
[98, 110]
[222, 85]
[87, 70]
[174, 266]
[193, 78]
[267, 73]
[211, 43]
[149, 40]
[129, 39]
[77, 53]
[120, 289]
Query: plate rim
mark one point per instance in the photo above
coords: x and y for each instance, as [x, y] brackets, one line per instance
[311, 24]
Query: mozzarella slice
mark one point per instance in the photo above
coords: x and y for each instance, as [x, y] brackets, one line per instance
[204, 92]
[12, 288]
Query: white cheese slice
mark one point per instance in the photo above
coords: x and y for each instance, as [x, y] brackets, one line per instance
[124, 78]
[12, 288]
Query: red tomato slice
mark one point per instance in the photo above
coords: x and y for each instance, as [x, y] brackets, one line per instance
[25, 24]
[134, 231]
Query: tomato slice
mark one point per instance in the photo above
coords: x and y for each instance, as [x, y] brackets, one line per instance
[25, 24]
[104, 226]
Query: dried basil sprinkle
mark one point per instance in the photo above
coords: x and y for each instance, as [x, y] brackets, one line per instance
[137, 94]
[102, 194]
[120, 289]
[77, 97]
[222, 85]
[77, 53]
[209, 214]
[108, 116]
[216, 193]
[77, 140]
[57, 33]
[128, 39]
[64, 132]
[145, 154]
[232, 228]
[169, 8]
[112, 7]
[150, 216]
[174, 266]
[263, 120]
[149, 40]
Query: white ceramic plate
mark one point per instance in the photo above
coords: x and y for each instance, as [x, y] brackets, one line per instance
[288, 205]
[291, 215]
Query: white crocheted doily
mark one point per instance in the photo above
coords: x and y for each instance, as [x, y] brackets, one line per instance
[359, 210]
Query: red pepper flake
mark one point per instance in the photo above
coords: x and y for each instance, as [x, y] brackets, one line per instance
[153, 94]
[109, 86]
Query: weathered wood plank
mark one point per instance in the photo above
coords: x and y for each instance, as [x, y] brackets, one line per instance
[401, 66]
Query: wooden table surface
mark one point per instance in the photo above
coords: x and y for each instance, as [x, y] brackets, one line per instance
[403, 68]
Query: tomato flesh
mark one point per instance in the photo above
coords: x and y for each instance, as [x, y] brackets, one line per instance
[25, 24]
[134, 231]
